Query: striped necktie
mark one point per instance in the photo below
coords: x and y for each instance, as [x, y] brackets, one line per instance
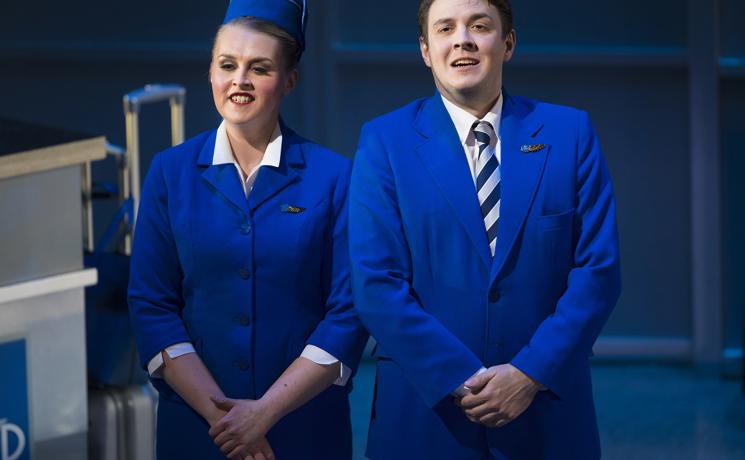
[488, 180]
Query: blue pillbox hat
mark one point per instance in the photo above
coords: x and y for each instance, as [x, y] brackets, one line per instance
[289, 15]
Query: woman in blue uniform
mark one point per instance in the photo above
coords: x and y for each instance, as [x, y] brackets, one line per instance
[239, 289]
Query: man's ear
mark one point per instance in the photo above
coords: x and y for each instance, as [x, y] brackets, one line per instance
[424, 49]
[510, 42]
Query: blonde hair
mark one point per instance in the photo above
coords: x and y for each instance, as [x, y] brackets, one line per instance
[289, 48]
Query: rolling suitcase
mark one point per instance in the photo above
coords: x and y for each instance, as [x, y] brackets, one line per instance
[121, 407]
[112, 357]
[122, 422]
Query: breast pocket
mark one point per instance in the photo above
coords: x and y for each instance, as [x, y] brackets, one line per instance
[556, 221]
[556, 231]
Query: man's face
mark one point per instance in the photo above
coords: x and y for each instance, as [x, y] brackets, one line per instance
[465, 49]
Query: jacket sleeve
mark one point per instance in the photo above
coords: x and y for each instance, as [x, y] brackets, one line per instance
[155, 282]
[566, 337]
[431, 357]
[340, 333]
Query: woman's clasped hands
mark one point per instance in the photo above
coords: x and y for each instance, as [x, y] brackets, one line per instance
[241, 432]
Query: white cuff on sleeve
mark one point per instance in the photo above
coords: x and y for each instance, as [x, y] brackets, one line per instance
[322, 357]
[155, 366]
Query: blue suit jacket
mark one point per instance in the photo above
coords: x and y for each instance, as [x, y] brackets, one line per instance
[250, 283]
[440, 306]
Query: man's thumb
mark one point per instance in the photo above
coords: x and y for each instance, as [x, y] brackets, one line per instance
[477, 382]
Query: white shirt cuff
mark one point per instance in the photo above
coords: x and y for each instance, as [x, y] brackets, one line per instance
[155, 366]
[322, 357]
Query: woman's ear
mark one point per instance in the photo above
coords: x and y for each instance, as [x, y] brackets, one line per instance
[292, 79]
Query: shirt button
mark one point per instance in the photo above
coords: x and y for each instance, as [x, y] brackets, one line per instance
[245, 229]
[245, 273]
[243, 320]
[493, 296]
[243, 365]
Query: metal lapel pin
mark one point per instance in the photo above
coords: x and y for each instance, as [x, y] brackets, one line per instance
[291, 209]
[531, 148]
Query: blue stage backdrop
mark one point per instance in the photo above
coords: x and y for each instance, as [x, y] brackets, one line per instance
[629, 63]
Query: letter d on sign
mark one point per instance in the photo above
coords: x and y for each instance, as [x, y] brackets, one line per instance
[7, 428]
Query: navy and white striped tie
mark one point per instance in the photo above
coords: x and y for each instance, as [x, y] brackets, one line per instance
[488, 180]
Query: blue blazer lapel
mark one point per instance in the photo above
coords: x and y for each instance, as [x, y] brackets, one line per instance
[271, 181]
[442, 153]
[521, 175]
[223, 178]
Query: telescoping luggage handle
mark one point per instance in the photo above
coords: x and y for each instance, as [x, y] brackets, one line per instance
[128, 165]
[130, 180]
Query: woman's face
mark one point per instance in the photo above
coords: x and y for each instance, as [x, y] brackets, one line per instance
[248, 77]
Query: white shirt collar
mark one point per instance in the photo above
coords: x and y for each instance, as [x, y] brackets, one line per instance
[463, 120]
[224, 155]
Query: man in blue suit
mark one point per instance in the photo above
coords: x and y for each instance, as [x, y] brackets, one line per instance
[484, 257]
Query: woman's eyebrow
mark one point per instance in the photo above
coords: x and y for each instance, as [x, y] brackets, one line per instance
[252, 61]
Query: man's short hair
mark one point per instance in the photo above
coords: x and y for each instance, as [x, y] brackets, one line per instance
[503, 6]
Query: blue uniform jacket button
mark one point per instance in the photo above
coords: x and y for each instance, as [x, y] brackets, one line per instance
[493, 296]
[245, 273]
[245, 229]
